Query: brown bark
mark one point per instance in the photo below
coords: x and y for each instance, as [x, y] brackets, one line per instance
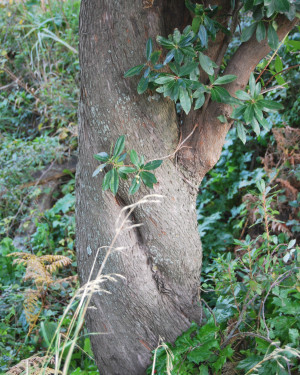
[162, 259]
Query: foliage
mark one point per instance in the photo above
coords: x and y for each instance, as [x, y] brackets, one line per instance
[116, 159]
[177, 77]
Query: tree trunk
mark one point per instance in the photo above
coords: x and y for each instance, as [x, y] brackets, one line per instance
[161, 260]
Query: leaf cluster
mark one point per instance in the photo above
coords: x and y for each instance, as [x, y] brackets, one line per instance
[116, 159]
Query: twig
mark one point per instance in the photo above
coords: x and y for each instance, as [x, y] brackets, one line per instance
[284, 70]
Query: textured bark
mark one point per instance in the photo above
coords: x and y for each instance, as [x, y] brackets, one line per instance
[161, 261]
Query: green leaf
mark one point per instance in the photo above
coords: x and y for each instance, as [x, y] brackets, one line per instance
[222, 119]
[152, 165]
[135, 185]
[102, 156]
[114, 182]
[134, 71]
[165, 42]
[248, 32]
[260, 31]
[169, 57]
[148, 179]
[176, 36]
[148, 49]
[134, 158]
[99, 169]
[225, 79]
[282, 5]
[142, 85]
[278, 64]
[164, 79]
[207, 64]
[187, 69]
[252, 84]
[270, 104]
[242, 95]
[155, 56]
[119, 146]
[273, 40]
[185, 100]
[200, 101]
[196, 23]
[203, 370]
[106, 180]
[219, 94]
[255, 126]
[238, 111]
[202, 34]
[126, 170]
[249, 113]
[241, 132]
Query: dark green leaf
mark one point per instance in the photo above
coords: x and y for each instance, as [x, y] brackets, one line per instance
[106, 180]
[114, 182]
[242, 95]
[248, 32]
[119, 146]
[122, 157]
[169, 56]
[142, 85]
[155, 56]
[102, 156]
[176, 36]
[196, 23]
[152, 165]
[187, 69]
[238, 111]
[282, 6]
[136, 183]
[252, 84]
[134, 158]
[219, 94]
[249, 113]
[126, 170]
[273, 40]
[148, 179]
[165, 42]
[148, 49]
[206, 64]
[178, 56]
[278, 64]
[260, 31]
[202, 34]
[255, 126]
[225, 79]
[200, 101]
[270, 104]
[134, 71]
[99, 169]
[241, 132]
[185, 100]
[164, 79]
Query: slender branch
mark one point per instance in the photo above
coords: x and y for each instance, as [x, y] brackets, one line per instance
[282, 71]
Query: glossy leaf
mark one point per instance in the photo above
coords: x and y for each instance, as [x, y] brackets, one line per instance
[164, 79]
[114, 181]
[134, 158]
[169, 56]
[187, 69]
[270, 104]
[200, 101]
[273, 40]
[153, 165]
[219, 94]
[185, 100]
[248, 32]
[252, 84]
[249, 113]
[255, 126]
[242, 95]
[119, 146]
[225, 79]
[99, 169]
[102, 156]
[155, 56]
[165, 42]
[142, 85]
[239, 111]
[106, 180]
[126, 170]
[202, 34]
[134, 71]
[135, 185]
[261, 31]
[148, 49]
[206, 64]
[241, 132]
[148, 179]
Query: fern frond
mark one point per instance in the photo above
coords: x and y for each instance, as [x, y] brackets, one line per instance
[37, 272]
[33, 366]
[31, 307]
[56, 262]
